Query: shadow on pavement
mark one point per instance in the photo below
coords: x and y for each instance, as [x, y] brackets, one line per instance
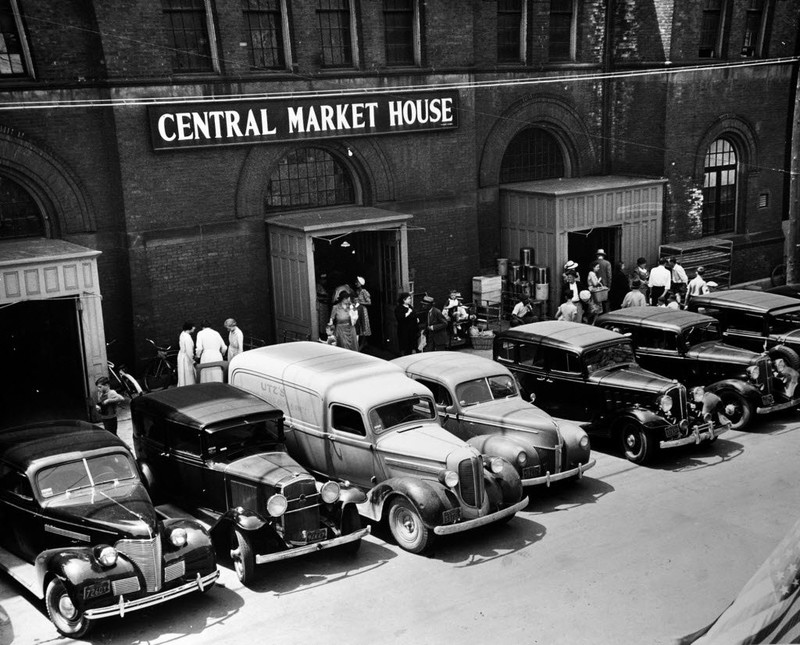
[561, 496]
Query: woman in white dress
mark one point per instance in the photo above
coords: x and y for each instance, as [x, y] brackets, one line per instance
[209, 348]
[186, 374]
[235, 338]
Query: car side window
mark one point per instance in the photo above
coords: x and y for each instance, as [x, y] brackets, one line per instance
[348, 420]
[744, 321]
[559, 360]
[440, 393]
[15, 482]
[504, 352]
[531, 355]
[185, 439]
[656, 339]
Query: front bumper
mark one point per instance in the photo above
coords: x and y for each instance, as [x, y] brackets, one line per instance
[549, 478]
[312, 548]
[123, 606]
[703, 432]
[466, 525]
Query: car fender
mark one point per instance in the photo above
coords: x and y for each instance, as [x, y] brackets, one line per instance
[243, 518]
[506, 446]
[503, 488]
[352, 495]
[147, 476]
[430, 498]
[196, 534]
[645, 418]
[747, 390]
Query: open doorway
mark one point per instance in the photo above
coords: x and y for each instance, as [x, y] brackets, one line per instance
[40, 342]
[582, 246]
[372, 255]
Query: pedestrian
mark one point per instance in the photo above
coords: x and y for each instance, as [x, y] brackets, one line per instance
[679, 279]
[522, 313]
[697, 285]
[106, 403]
[591, 309]
[660, 281]
[672, 300]
[597, 286]
[407, 324]
[235, 338]
[209, 348]
[343, 320]
[571, 287]
[363, 301]
[620, 285]
[435, 326]
[641, 272]
[604, 272]
[186, 375]
[567, 311]
[634, 297]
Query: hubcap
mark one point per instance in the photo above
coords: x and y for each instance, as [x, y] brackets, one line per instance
[731, 409]
[66, 608]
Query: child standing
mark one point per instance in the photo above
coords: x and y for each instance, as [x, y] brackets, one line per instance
[567, 310]
[106, 406]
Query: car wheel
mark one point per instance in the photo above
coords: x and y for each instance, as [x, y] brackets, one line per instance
[407, 528]
[790, 356]
[244, 560]
[737, 409]
[67, 618]
[636, 445]
[351, 522]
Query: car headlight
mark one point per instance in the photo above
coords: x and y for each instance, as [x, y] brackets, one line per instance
[276, 505]
[665, 403]
[583, 442]
[754, 371]
[178, 537]
[448, 478]
[522, 458]
[330, 492]
[106, 555]
[496, 465]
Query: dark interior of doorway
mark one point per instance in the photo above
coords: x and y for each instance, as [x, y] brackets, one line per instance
[43, 370]
[583, 245]
[340, 260]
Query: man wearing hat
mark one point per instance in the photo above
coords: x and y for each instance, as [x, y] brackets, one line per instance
[435, 326]
[604, 273]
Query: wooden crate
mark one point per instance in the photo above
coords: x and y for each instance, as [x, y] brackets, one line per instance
[485, 283]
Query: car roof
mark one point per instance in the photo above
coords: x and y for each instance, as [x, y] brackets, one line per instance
[450, 367]
[205, 405]
[22, 446]
[655, 317]
[758, 302]
[566, 335]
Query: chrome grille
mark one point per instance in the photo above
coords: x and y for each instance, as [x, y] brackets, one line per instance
[550, 459]
[174, 570]
[764, 376]
[470, 481]
[679, 401]
[302, 512]
[244, 495]
[124, 586]
[146, 555]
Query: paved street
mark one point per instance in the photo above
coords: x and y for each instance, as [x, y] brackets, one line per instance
[628, 555]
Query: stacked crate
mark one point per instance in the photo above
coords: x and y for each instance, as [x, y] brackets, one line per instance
[487, 294]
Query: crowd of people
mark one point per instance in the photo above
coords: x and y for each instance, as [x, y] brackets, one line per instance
[609, 288]
[202, 358]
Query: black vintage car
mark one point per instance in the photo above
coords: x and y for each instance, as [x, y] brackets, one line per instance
[216, 452]
[79, 529]
[590, 375]
[756, 320]
[688, 347]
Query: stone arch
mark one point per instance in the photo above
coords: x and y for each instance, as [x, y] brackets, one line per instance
[63, 201]
[550, 113]
[364, 159]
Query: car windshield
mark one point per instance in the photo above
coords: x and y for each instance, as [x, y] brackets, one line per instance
[609, 356]
[237, 438]
[397, 413]
[703, 332]
[84, 473]
[482, 390]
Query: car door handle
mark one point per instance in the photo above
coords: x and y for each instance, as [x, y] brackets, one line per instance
[542, 378]
[330, 437]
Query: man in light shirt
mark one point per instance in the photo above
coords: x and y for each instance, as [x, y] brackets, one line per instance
[660, 281]
[679, 279]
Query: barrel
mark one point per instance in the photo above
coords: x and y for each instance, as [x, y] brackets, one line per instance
[529, 273]
[502, 266]
[542, 283]
[514, 272]
[527, 255]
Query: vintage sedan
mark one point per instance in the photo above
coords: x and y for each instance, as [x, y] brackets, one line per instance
[478, 401]
[756, 320]
[80, 531]
[217, 453]
[590, 375]
[688, 347]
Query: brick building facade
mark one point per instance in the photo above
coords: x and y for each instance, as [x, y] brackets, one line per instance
[545, 90]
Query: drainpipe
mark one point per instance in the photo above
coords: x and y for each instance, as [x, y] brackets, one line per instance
[793, 229]
[608, 67]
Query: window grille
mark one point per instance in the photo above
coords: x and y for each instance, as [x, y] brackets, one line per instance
[719, 189]
[306, 178]
[14, 55]
[264, 30]
[398, 16]
[562, 30]
[186, 25]
[533, 154]
[509, 31]
[334, 29]
[20, 215]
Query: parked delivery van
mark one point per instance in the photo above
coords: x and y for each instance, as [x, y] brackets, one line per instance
[356, 418]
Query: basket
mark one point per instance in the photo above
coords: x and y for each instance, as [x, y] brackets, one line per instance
[482, 342]
[600, 294]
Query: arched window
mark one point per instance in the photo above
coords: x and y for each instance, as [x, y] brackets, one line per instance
[309, 177]
[20, 215]
[719, 188]
[532, 154]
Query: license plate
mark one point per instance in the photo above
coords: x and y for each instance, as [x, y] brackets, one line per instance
[672, 432]
[451, 516]
[529, 472]
[316, 535]
[97, 590]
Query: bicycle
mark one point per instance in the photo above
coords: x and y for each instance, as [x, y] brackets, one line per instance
[162, 370]
[120, 380]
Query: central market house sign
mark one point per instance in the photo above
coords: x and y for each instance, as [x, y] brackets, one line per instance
[225, 123]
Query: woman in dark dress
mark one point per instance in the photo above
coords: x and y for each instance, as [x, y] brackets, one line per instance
[620, 285]
[407, 324]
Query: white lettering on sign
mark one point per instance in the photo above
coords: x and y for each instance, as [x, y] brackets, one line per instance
[412, 112]
[347, 116]
[215, 124]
